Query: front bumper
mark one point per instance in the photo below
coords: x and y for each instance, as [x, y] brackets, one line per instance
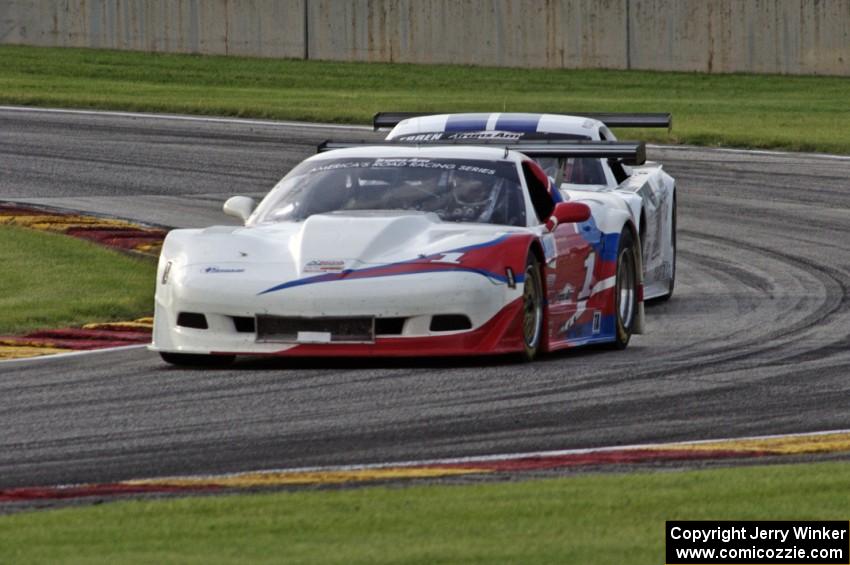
[493, 309]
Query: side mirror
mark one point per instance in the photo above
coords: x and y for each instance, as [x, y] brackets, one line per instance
[568, 213]
[239, 207]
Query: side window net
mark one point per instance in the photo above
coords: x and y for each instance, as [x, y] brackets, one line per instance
[538, 190]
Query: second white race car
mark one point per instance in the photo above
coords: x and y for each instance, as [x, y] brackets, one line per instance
[647, 189]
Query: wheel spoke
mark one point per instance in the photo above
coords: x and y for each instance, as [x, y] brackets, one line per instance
[532, 308]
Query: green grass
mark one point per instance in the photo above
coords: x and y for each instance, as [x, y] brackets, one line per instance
[585, 519]
[773, 111]
[51, 281]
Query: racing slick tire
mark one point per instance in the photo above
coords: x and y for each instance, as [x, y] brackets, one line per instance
[625, 290]
[196, 360]
[532, 309]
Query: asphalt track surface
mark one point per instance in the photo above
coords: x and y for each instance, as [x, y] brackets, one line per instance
[754, 342]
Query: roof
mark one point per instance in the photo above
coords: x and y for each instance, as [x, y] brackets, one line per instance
[515, 122]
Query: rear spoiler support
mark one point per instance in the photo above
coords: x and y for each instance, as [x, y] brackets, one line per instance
[384, 120]
[629, 152]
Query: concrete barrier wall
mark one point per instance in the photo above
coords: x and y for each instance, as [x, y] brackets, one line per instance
[762, 36]
[515, 33]
[268, 28]
[772, 36]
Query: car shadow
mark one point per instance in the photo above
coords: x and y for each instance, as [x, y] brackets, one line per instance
[479, 361]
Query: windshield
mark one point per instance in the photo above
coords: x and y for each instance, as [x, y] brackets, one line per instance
[457, 190]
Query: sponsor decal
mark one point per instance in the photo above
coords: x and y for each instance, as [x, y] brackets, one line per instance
[474, 135]
[487, 135]
[403, 162]
[421, 137]
[566, 293]
[342, 165]
[216, 270]
[325, 266]
[479, 170]
[412, 162]
[597, 322]
[571, 321]
[452, 257]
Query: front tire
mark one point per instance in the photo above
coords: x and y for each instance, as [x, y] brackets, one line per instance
[625, 290]
[196, 360]
[532, 315]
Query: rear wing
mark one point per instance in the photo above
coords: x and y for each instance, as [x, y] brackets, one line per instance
[629, 152]
[611, 119]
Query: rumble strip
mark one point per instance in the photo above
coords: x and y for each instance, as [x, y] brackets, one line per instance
[117, 234]
[737, 449]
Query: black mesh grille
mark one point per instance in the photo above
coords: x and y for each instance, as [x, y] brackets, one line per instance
[298, 330]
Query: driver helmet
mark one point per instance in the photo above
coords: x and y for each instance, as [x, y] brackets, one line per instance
[471, 190]
[473, 197]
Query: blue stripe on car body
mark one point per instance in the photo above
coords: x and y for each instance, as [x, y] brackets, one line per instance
[526, 123]
[581, 334]
[330, 277]
[467, 122]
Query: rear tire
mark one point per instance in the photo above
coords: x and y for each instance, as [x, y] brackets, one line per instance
[196, 360]
[532, 316]
[625, 290]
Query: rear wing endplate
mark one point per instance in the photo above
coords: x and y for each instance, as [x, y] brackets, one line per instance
[611, 119]
[629, 152]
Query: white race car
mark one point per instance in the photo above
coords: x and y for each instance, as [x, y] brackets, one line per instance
[648, 190]
[398, 249]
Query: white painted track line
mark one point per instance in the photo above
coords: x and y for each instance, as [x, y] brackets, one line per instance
[471, 460]
[71, 354]
[183, 118]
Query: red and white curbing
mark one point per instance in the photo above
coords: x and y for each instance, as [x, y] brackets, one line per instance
[116, 234]
[836, 441]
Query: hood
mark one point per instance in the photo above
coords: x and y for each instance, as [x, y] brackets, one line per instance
[326, 243]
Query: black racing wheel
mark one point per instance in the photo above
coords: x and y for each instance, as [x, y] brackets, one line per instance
[532, 305]
[625, 289]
